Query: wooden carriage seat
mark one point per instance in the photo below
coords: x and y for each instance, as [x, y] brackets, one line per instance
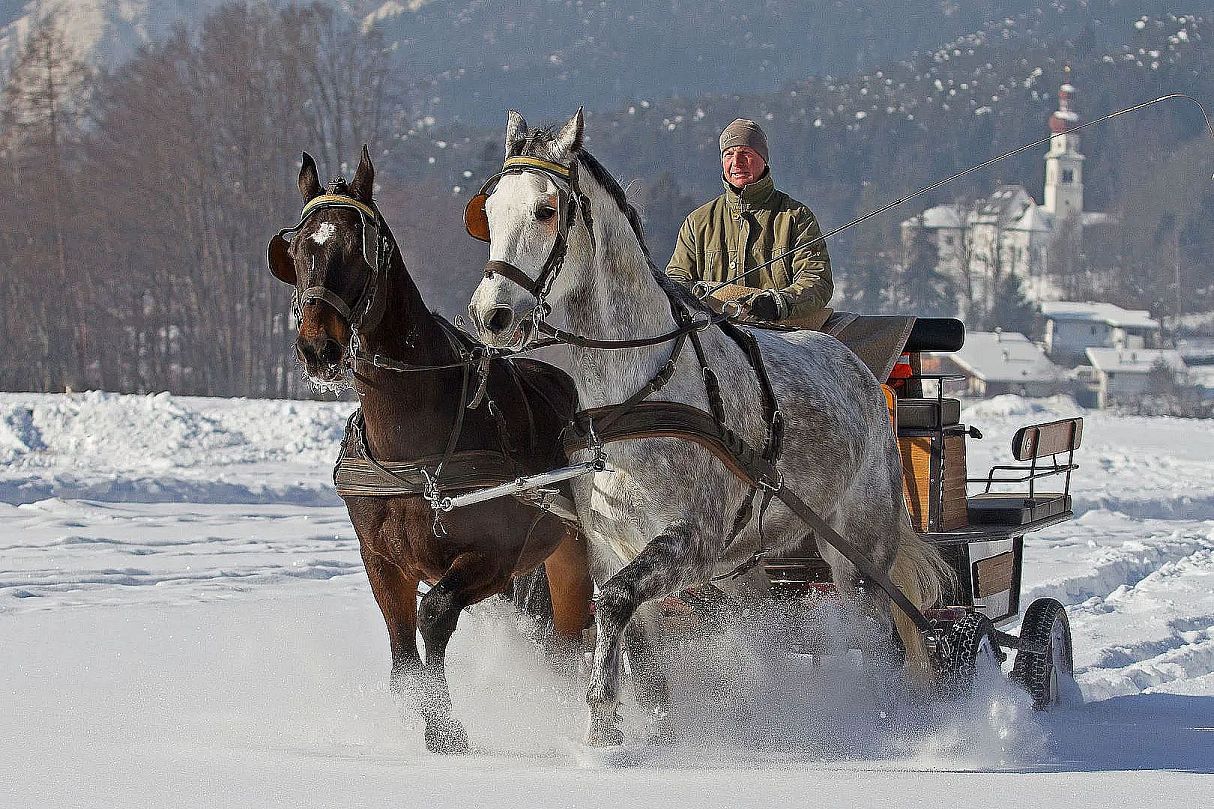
[1031, 444]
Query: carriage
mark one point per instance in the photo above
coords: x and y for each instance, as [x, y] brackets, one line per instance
[981, 536]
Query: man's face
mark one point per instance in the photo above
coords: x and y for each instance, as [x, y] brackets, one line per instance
[742, 165]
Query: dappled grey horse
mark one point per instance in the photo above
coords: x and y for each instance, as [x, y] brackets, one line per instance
[660, 518]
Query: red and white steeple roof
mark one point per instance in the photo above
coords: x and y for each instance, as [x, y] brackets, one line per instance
[1064, 117]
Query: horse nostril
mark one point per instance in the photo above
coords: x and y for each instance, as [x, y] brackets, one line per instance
[330, 352]
[499, 319]
[319, 353]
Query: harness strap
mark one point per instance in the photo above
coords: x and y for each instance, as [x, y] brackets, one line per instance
[655, 384]
[560, 336]
[853, 554]
[358, 473]
[711, 386]
[673, 420]
[457, 429]
[659, 380]
[322, 294]
[512, 273]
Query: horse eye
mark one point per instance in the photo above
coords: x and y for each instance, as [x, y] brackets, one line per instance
[545, 212]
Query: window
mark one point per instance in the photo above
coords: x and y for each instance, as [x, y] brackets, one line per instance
[1068, 175]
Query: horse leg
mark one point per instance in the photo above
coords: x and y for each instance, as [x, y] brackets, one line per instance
[870, 607]
[438, 614]
[396, 594]
[662, 566]
[571, 586]
[648, 675]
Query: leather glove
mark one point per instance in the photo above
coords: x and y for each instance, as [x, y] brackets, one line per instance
[768, 305]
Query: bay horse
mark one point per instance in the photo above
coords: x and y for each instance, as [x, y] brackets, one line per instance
[662, 516]
[359, 308]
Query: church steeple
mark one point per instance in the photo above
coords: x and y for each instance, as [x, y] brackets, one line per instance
[1064, 163]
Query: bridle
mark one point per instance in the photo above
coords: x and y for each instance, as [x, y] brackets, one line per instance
[376, 249]
[365, 312]
[571, 202]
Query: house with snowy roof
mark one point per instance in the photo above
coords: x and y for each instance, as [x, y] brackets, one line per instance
[1072, 327]
[1125, 373]
[1000, 362]
[980, 241]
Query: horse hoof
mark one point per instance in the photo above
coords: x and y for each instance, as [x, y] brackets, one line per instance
[449, 738]
[605, 737]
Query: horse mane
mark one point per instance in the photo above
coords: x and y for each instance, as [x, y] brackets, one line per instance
[540, 143]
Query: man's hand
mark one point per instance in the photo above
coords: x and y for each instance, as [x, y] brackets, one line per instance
[768, 305]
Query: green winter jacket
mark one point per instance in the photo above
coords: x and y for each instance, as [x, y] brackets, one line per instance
[759, 223]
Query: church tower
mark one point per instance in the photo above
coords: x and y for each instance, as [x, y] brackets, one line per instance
[1064, 163]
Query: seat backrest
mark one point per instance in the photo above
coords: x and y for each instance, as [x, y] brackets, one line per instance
[936, 334]
[1051, 438]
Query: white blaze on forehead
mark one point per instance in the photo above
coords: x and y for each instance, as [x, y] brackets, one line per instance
[325, 232]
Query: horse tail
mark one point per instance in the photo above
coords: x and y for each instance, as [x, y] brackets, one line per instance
[921, 573]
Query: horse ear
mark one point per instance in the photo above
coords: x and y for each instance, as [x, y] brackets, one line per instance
[309, 180]
[363, 184]
[569, 140]
[516, 130]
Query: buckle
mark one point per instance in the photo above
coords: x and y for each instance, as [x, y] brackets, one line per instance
[769, 486]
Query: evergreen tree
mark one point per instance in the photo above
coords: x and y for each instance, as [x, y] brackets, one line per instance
[1011, 310]
[866, 280]
[663, 206]
[922, 289]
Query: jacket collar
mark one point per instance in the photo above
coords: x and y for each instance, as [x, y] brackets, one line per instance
[753, 195]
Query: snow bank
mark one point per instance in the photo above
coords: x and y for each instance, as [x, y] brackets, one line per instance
[163, 447]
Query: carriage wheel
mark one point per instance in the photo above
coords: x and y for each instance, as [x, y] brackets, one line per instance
[1047, 675]
[968, 654]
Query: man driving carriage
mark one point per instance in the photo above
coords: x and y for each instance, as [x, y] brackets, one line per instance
[752, 222]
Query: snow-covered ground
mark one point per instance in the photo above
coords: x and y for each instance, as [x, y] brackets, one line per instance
[184, 618]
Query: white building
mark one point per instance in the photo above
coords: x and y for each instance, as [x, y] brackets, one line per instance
[1124, 373]
[981, 241]
[1071, 328]
[1005, 362]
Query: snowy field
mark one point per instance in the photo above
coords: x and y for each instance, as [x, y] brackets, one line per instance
[184, 619]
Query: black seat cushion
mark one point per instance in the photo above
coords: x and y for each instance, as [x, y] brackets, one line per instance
[1003, 508]
[928, 414]
[936, 334]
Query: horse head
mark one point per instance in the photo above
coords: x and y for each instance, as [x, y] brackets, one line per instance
[529, 213]
[335, 258]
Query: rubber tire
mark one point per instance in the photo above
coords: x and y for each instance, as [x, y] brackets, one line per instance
[971, 647]
[1042, 673]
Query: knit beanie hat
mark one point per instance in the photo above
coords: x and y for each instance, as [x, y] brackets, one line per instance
[744, 132]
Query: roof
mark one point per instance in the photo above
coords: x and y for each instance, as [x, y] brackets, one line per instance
[1007, 203]
[1034, 218]
[1197, 350]
[1005, 357]
[1134, 360]
[1093, 218]
[941, 216]
[1099, 312]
